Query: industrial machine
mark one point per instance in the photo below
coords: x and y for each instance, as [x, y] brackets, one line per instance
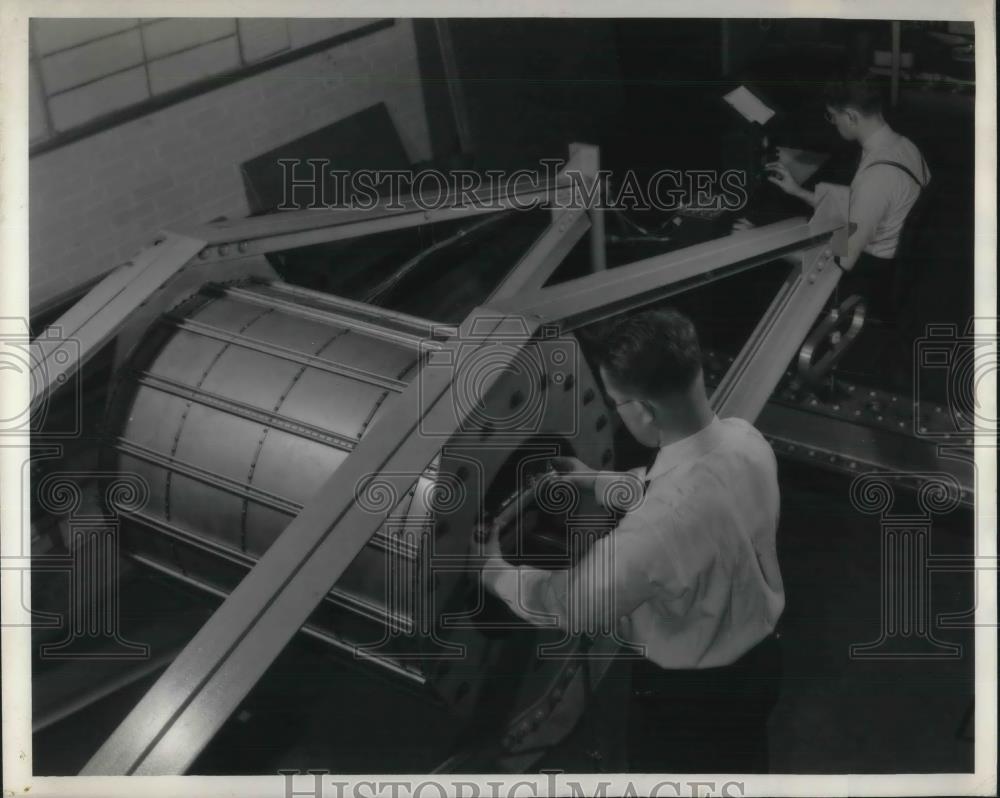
[324, 464]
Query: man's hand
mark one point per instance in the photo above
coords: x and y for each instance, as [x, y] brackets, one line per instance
[569, 470]
[488, 534]
[570, 465]
[783, 179]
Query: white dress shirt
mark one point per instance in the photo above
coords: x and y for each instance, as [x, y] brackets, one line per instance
[880, 196]
[690, 575]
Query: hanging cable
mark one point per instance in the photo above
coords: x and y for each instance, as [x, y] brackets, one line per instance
[379, 291]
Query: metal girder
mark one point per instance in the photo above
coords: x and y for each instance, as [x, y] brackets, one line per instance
[179, 715]
[63, 348]
[544, 256]
[760, 365]
[787, 321]
[601, 295]
[567, 227]
[842, 445]
[238, 238]
[589, 159]
[377, 293]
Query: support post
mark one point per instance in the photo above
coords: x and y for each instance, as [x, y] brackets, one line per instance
[896, 37]
[587, 159]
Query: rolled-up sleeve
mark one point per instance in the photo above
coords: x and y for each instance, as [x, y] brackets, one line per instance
[609, 582]
[870, 199]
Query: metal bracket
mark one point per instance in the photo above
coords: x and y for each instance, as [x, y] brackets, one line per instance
[831, 339]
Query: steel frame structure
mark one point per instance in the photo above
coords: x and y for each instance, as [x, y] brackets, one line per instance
[201, 688]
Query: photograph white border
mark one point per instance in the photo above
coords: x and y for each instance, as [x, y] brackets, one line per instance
[14, 390]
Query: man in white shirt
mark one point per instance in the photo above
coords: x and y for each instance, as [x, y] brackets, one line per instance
[690, 575]
[889, 179]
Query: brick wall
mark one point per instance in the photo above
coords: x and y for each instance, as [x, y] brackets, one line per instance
[95, 202]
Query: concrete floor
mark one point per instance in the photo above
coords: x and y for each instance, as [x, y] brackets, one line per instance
[842, 715]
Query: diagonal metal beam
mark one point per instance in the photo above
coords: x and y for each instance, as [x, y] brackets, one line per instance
[567, 227]
[758, 368]
[235, 238]
[259, 235]
[608, 293]
[69, 342]
[760, 365]
[545, 255]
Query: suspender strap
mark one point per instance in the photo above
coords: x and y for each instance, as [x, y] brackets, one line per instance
[900, 166]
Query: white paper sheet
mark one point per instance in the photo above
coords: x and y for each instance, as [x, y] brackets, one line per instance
[749, 105]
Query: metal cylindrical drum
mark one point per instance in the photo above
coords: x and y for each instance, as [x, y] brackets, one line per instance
[238, 408]
[241, 402]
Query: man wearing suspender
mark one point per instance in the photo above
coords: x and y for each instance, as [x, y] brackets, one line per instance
[889, 179]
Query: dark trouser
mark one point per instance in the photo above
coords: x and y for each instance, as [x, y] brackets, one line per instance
[711, 720]
[887, 292]
[874, 279]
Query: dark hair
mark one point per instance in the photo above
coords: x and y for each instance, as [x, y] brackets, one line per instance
[656, 352]
[862, 94]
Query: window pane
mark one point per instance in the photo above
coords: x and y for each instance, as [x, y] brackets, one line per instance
[77, 106]
[56, 34]
[191, 65]
[307, 31]
[171, 35]
[91, 61]
[261, 38]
